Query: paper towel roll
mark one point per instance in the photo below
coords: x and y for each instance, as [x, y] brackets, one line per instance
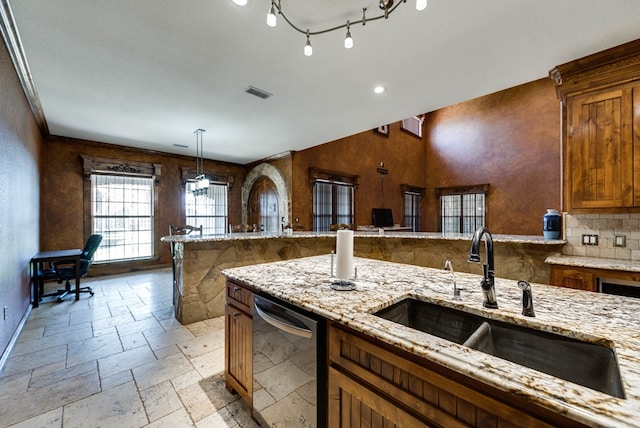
[344, 254]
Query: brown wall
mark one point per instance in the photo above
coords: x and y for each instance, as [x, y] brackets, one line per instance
[20, 161]
[62, 198]
[361, 154]
[511, 140]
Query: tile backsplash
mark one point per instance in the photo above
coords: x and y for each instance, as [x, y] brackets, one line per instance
[606, 226]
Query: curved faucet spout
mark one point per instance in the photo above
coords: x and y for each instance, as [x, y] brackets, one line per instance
[488, 269]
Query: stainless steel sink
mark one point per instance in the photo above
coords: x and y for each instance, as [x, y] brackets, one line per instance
[588, 364]
[436, 320]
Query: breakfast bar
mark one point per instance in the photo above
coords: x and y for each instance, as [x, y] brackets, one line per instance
[199, 287]
[541, 399]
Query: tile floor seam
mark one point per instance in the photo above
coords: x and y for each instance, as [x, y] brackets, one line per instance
[140, 296]
[146, 413]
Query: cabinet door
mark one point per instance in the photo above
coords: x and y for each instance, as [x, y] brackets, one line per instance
[581, 279]
[351, 404]
[600, 149]
[239, 352]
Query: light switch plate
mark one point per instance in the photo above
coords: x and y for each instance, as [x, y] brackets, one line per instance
[619, 241]
[589, 239]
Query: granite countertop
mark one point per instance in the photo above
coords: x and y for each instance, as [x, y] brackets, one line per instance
[574, 313]
[595, 263]
[518, 239]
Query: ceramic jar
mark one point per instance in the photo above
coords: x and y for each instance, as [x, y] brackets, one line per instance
[551, 224]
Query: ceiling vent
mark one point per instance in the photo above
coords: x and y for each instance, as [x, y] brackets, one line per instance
[258, 92]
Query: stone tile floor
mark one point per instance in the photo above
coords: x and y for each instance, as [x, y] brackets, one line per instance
[118, 359]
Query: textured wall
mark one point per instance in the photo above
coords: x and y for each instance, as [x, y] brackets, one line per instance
[361, 154]
[510, 139]
[21, 148]
[62, 197]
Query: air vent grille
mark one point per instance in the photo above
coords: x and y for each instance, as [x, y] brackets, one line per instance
[258, 92]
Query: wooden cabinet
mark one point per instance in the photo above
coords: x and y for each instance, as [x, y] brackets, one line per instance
[573, 277]
[585, 278]
[601, 130]
[600, 148]
[239, 341]
[373, 384]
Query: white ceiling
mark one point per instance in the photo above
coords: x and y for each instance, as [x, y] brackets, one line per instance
[147, 73]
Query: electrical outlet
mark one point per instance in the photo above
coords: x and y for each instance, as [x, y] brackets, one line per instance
[619, 241]
[590, 239]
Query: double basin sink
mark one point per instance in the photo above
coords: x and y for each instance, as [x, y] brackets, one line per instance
[588, 364]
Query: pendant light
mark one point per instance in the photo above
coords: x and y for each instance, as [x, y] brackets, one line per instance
[201, 184]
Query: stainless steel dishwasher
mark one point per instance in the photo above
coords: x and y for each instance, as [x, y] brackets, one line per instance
[289, 376]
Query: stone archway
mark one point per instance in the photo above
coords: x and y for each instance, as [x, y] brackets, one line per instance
[274, 174]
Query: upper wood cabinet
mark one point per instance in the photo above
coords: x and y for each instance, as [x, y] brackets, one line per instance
[600, 95]
[599, 152]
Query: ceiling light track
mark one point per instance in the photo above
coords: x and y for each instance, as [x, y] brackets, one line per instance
[387, 6]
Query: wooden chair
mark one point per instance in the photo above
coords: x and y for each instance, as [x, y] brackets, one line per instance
[184, 230]
[242, 228]
[339, 226]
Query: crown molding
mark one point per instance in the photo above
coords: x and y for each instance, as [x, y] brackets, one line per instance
[614, 66]
[12, 40]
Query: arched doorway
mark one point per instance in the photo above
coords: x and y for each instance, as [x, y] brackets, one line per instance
[274, 174]
[263, 205]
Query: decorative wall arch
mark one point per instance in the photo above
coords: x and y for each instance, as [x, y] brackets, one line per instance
[274, 174]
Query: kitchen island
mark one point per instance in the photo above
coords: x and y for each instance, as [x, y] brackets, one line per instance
[199, 287]
[604, 319]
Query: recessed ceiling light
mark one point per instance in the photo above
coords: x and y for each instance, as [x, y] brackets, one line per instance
[379, 89]
[240, 2]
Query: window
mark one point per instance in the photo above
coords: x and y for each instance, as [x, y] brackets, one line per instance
[119, 202]
[462, 209]
[122, 211]
[208, 210]
[411, 197]
[413, 125]
[333, 199]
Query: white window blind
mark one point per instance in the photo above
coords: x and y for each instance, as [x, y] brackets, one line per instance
[208, 210]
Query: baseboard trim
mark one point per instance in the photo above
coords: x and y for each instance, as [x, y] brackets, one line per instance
[14, 338]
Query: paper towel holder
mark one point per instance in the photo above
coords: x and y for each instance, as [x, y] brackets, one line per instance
[342, 284]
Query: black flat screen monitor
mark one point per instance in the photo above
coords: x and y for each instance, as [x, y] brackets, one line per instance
[382, 217]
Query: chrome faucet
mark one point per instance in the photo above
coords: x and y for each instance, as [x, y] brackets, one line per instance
[488, 268]
[456, 291]
[527, 299]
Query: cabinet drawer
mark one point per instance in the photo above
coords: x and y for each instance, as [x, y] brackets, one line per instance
[240, 297]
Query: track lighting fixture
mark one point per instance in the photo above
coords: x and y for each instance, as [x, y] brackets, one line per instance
[271, 17]
[308, 50]
[348, 40]
[387, 6]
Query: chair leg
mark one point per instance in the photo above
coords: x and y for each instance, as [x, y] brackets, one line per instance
[67, 290]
